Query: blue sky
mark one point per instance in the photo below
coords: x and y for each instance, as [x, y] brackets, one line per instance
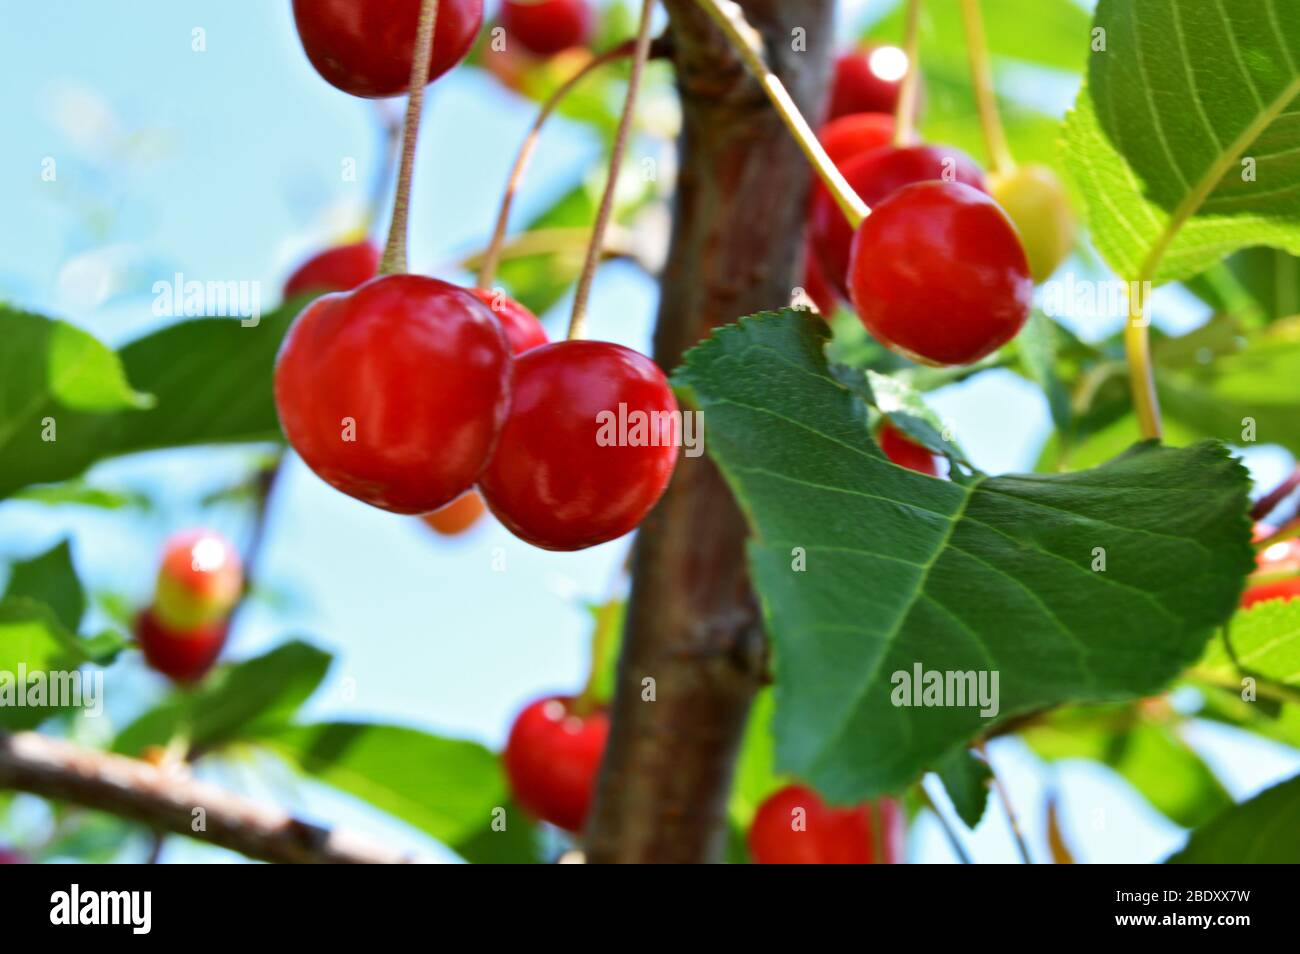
[225, 164]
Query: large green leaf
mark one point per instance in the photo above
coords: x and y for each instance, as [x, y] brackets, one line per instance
[1263, 641]
[1182, 93]
[236, 703]
[1262, 831]
[515, 844]
[50, 578]
[904, 570]
[445, 787]
[210, 379]
[1150, 755]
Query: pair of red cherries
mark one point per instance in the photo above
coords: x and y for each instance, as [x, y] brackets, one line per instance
[405, 392]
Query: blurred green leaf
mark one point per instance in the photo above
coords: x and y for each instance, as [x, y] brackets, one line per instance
[447, 788]
[79, 493]
[966, 778]
[50, 578]
[905, 570]
[235, 703]
[516, 844]
[1263, 641]
[756, 776]
[1264, 830]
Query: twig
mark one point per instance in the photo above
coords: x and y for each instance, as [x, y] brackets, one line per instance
[1005, 799]
[54, 768]
[1267, 503]
[905, 110]
[958, 848]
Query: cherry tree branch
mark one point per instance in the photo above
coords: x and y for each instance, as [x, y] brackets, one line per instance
[175, 802]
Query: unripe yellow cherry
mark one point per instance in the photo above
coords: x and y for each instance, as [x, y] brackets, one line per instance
[1036, 201]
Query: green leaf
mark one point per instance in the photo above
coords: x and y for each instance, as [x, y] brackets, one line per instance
[33, 640]
[904, 570]
[235, 703]
[1262, 831]
[1181, 95]
[756, 776]
[1150, 755]
[966, 777]
[51, 579]
[1261, 641]
[211, 380]
[79, 493]
[1037, 343]
[445, 787]
[517, 844]
[1266, 280]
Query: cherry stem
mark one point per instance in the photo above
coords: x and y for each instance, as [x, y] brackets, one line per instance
[748, 44]
[905, 109]
[958, 848]
[1005, 799]
[981, 76]
[641, 53]
[1268, 503]
[1137, 350]
[492, 256]
[394, 258]
[588, 700]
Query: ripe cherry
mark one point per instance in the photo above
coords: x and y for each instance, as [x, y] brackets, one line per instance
[795, 827]
[1277, 560]
[551, 760]
[1277, 590]
[873, 176]
[545, 27]
[364, 47]
[523, 330]
[458, 516]
[905, 452]
[868, 81]
[936, 273]
[184, 655]
[851, 135]
[394, 392]
[588, 447]
[1037, 203]
[341, 268]
[199, 582]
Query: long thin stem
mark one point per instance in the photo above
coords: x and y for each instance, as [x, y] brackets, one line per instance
[905, 110]
[492, 257]
[578, 320]
[747, 45]
[1005, 799]
[394, 258]
[1268, 503]
[957, 847]
[981, 77]
[1137, 348]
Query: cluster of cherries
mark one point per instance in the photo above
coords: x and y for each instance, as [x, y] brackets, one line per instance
[200, 582]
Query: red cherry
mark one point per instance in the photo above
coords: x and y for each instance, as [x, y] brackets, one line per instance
[905, 452]
[9, 856]
[342, 268]
[184, 655]
[394, 392]
[521, 326]
[815, 285]
[873, 176]
[937, 273]
[551, 760]
[458, 516]
[364, 47]
[1277, 590]
[1279, 559]
[199, 582]
[545, 27]
[851, 135]
[868, 81]
[795, 827]
[588, 447]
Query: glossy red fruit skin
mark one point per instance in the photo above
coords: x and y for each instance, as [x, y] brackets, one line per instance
[831, 836]
[200, 580]
[1277, 590]
[550, 481]
[458, 516]
[856, 87]
[815, 285]
[364, 47]
[905, 452]
[847, 136]
[523, 330]
[341, 268]
[423, 369]
[874, 175]
[545, 27]
[937, 274]
[185, 656]
[551, 760]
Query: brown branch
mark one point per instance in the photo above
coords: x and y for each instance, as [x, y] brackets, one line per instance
[693, 623]
[169, 801]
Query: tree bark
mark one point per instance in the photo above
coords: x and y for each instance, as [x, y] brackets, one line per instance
[693, 624]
